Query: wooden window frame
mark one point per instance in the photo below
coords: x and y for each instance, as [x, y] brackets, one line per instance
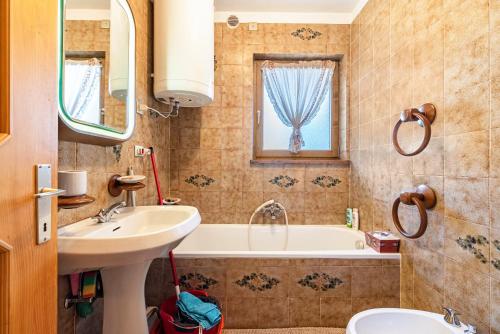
[303, 156]
[5, 119]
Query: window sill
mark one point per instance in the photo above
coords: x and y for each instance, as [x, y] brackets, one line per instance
[308, 162]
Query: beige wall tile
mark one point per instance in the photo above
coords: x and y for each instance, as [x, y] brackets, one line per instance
[431, 160]
[495, 306]
[467, 154]
[495, 202]
[460, 285]
[428, 299]
[272, 312]
[335, 312]
[495, 153]
[304, 312]
[370, 276]
[240, 313]
[467, 199]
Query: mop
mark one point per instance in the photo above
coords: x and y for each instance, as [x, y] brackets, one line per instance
[161, 201]
[200, 294]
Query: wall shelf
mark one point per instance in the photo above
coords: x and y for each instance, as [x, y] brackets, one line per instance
[73, 202]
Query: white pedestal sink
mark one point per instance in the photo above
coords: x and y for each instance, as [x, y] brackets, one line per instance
[123, 250]
[399, 321]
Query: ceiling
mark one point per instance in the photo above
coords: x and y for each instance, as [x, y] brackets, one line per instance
[87, 4]
[289, 11]
[308, 6]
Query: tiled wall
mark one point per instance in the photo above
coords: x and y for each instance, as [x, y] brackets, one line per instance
[281, 293]
[405, 53]
[212, 146]
[101, 163]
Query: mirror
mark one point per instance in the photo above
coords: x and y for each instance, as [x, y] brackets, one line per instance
[96, 71]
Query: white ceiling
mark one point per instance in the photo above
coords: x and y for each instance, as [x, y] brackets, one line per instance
[289, 11]
[87, 4]
[308, 6]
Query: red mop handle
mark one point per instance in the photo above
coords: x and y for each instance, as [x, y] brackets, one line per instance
[155, 172]
[174, 268]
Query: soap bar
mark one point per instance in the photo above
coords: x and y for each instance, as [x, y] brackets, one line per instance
[382, 242]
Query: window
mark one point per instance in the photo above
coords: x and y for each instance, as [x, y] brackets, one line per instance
[83, 101]
[287, 97]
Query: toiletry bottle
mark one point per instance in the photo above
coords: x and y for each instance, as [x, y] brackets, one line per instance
[348, 217]
[355, 219]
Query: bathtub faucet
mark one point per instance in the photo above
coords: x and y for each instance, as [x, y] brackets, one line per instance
[272, 210]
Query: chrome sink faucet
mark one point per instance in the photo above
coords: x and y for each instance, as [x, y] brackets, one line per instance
[451, 316]
[105, 215]
[471, 329]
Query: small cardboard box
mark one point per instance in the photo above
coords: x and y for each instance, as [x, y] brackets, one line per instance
[382, 242]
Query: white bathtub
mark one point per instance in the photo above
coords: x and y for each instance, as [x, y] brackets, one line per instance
[270, 241]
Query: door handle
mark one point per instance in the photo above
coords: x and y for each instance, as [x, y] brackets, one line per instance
[49, 192]
[44, 201]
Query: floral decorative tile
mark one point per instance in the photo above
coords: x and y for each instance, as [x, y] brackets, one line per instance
[326, 181]
[284, 181]
[320, 281]
[496, 263]
[258, 282]
[196, 281]
[496, 243]
[470, 243]
[306, 34]
[199, 180]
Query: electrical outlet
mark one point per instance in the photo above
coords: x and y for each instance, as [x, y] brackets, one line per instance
[253, 26]
[140, 151]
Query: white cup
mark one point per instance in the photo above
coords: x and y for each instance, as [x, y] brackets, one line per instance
[73, 181]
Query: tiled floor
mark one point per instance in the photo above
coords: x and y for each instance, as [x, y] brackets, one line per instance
[287, 331]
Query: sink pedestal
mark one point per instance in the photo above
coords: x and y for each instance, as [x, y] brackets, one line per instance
[124, 301]
[123, 250]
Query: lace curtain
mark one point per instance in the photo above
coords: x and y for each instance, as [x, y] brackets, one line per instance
[82, 85]
[296, 91]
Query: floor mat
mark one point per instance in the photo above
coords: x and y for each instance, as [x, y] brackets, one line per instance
[316, 330]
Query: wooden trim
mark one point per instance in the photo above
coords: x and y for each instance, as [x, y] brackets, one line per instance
[5, 119]
[258, 133]
[85, 54]
[4, 287]
[296, 56]
[329, 162]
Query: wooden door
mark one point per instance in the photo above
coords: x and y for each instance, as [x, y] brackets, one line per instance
[28, 272]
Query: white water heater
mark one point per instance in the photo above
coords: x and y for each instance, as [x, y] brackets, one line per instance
[184, 51]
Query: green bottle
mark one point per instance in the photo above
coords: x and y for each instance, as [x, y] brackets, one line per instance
[348, 217]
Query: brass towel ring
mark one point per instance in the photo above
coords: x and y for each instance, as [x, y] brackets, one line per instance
[424, 198]
[425, 115]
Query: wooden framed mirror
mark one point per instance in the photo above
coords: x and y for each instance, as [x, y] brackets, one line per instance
[4, 71]
[96, 88]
